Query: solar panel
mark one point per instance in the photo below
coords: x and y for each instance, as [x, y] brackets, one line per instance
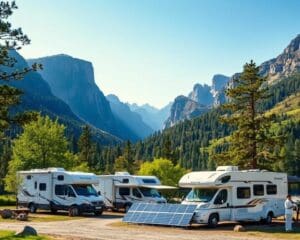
[160, 214]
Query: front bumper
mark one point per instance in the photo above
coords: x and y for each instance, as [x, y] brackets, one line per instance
[94, 207]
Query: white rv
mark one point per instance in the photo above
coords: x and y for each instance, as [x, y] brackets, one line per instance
[56, 189]
[122, 189]
[228, 194]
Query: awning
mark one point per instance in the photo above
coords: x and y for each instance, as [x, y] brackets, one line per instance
[159, 187]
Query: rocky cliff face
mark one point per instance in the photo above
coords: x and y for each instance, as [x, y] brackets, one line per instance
[202, 94]
[184, 108]
[72, 80]
[200, 100]
[131, 119]
[39, 97]
[285, 64]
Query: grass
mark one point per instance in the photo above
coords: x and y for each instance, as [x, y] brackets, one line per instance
[289, 106]
[9, 235]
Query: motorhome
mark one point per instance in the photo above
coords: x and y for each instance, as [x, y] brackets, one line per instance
[56, 189]
[122, 189]
[228, 194]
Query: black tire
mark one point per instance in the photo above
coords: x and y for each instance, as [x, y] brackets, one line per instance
[98, 213]
[126, 208]
[213, 220]
[32, 208]
[74, 211]
[53, 210]
[269, 218]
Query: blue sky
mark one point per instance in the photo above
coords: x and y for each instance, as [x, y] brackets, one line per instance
[150, 51]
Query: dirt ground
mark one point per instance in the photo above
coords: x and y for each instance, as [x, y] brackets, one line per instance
[110, 226]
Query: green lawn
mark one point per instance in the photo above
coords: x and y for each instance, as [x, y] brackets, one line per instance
[9, 235]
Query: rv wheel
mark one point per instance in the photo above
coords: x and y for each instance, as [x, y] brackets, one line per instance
[126, 208]
[73, 211]
[32, 208]
[269, 218]
[213, 220]
[98, 213]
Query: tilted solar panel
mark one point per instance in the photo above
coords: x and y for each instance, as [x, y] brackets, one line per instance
[160, 214]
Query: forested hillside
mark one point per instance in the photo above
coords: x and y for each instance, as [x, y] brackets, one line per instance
[187, 143]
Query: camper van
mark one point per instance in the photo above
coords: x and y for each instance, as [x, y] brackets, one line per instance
[56, 189]
[122, 189]
[228, 194]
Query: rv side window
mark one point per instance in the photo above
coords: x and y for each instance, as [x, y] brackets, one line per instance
[258, 190]
[35, 185]
[28, 177]
[125, 180]
[42, 186]
[243, 192]
[60, 190]
[124, 191]
[60, 177]
[271, 189]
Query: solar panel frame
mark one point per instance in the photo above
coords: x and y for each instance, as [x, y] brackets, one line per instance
[160, 214]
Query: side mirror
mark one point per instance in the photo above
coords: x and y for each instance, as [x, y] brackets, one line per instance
[99, 193]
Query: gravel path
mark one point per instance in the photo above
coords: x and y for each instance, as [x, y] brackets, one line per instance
[109, 227]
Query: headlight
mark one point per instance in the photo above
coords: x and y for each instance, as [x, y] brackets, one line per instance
[86, 202]
[203, 206]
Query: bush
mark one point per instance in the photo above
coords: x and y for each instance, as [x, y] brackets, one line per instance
[7, 200]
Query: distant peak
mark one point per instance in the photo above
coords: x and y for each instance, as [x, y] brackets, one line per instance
[113, 98]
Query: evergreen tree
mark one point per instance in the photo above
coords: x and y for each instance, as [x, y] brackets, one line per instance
[86, 148]
[10, 40]
[251, 145]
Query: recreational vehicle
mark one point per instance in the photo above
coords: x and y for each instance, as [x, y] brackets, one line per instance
[56, 189]
[228, 194]
[122, 189]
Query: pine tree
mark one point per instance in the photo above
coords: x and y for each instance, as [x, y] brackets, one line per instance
[10, 40]
[86, 148]
[251, 145]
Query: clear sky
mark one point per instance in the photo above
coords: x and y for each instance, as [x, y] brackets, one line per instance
[150, 51]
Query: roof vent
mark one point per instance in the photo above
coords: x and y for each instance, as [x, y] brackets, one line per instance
[122, 173]
[227, 168]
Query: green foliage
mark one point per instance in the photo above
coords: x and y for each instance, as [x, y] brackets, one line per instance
[7, 200]
[164, 170]
[41, 145]
[252, 144]
[11, 39]
[86, 155]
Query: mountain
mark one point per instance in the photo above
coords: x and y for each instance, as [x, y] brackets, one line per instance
[131, 119]
[202, 94]
[184, 108]
[285, 64]
[38, 97]
[152, 116]
[199, 100]
[72, 80]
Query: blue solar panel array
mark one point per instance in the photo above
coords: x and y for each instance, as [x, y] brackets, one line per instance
[160, 214]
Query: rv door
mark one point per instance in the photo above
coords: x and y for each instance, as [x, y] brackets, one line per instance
[222, 204]
[44, 190]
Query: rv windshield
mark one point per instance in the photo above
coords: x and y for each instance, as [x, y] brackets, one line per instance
[149, 192]
[84, 190]
[201, 194]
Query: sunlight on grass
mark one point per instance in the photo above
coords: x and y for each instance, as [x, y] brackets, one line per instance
[9, 235]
